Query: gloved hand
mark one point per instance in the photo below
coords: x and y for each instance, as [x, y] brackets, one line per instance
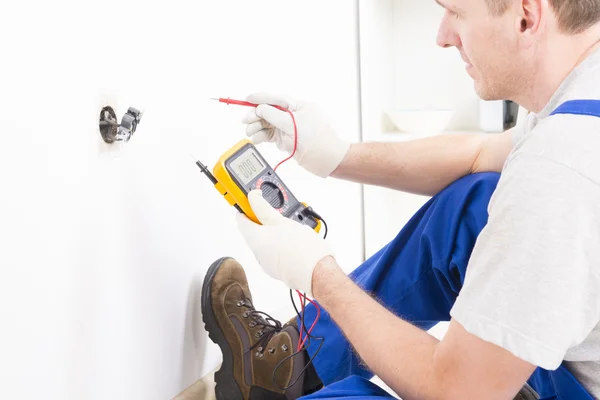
[286, 250]
[319, 149]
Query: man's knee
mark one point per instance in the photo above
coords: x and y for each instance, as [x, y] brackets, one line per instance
[485, 182]
[468, 196]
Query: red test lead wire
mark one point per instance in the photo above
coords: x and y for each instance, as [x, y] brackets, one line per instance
[229, 101]
[303, 296]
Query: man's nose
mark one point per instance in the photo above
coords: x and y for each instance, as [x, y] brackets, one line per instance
[447, 36]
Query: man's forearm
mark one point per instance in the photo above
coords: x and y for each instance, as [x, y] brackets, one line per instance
[406, 365]
[423, 166]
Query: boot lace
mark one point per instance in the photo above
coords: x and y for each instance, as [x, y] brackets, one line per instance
[269, 326]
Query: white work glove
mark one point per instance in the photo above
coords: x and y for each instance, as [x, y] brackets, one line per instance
[285, 249]
[319, 149]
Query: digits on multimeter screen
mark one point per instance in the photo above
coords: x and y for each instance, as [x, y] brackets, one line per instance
[247, 166]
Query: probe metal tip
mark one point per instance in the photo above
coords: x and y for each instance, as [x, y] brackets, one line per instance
[214, 98]
[194, 158]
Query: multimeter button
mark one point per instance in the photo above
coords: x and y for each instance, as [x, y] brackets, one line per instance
[272, 194]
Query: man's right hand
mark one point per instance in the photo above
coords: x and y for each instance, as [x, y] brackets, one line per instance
[319, 149]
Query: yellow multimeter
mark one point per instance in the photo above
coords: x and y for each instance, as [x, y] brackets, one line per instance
[242, 169]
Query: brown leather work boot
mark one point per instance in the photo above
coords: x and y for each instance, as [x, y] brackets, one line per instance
[258, 361]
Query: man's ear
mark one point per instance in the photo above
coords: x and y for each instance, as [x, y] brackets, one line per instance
[532, 17]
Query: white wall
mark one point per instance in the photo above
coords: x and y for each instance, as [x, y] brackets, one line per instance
[104, 247]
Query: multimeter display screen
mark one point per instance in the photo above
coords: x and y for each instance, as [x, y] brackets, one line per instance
[247, 166]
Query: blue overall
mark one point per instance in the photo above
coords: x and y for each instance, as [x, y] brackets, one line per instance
[418, 276]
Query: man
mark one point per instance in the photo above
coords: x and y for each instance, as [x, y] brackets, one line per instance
[521, 287]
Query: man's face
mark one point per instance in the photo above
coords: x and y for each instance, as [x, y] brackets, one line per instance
[489, 46]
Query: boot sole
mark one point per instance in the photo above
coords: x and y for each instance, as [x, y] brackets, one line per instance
[226, 386]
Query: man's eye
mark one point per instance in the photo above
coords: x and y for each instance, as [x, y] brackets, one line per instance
[453, 14]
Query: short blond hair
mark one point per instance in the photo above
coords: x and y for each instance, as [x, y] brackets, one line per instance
[574, 16]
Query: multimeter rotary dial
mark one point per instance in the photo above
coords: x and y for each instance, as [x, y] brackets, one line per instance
[274, 193]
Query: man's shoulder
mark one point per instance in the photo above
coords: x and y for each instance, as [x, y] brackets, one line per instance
[570, 141]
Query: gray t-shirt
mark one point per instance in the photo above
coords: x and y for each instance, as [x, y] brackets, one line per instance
[533, 282]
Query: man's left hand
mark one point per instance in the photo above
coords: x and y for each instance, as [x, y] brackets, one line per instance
[286, 250]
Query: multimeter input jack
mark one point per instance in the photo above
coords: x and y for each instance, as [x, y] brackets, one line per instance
[308, 211]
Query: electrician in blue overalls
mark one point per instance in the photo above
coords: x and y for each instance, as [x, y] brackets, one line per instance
[512, 260]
